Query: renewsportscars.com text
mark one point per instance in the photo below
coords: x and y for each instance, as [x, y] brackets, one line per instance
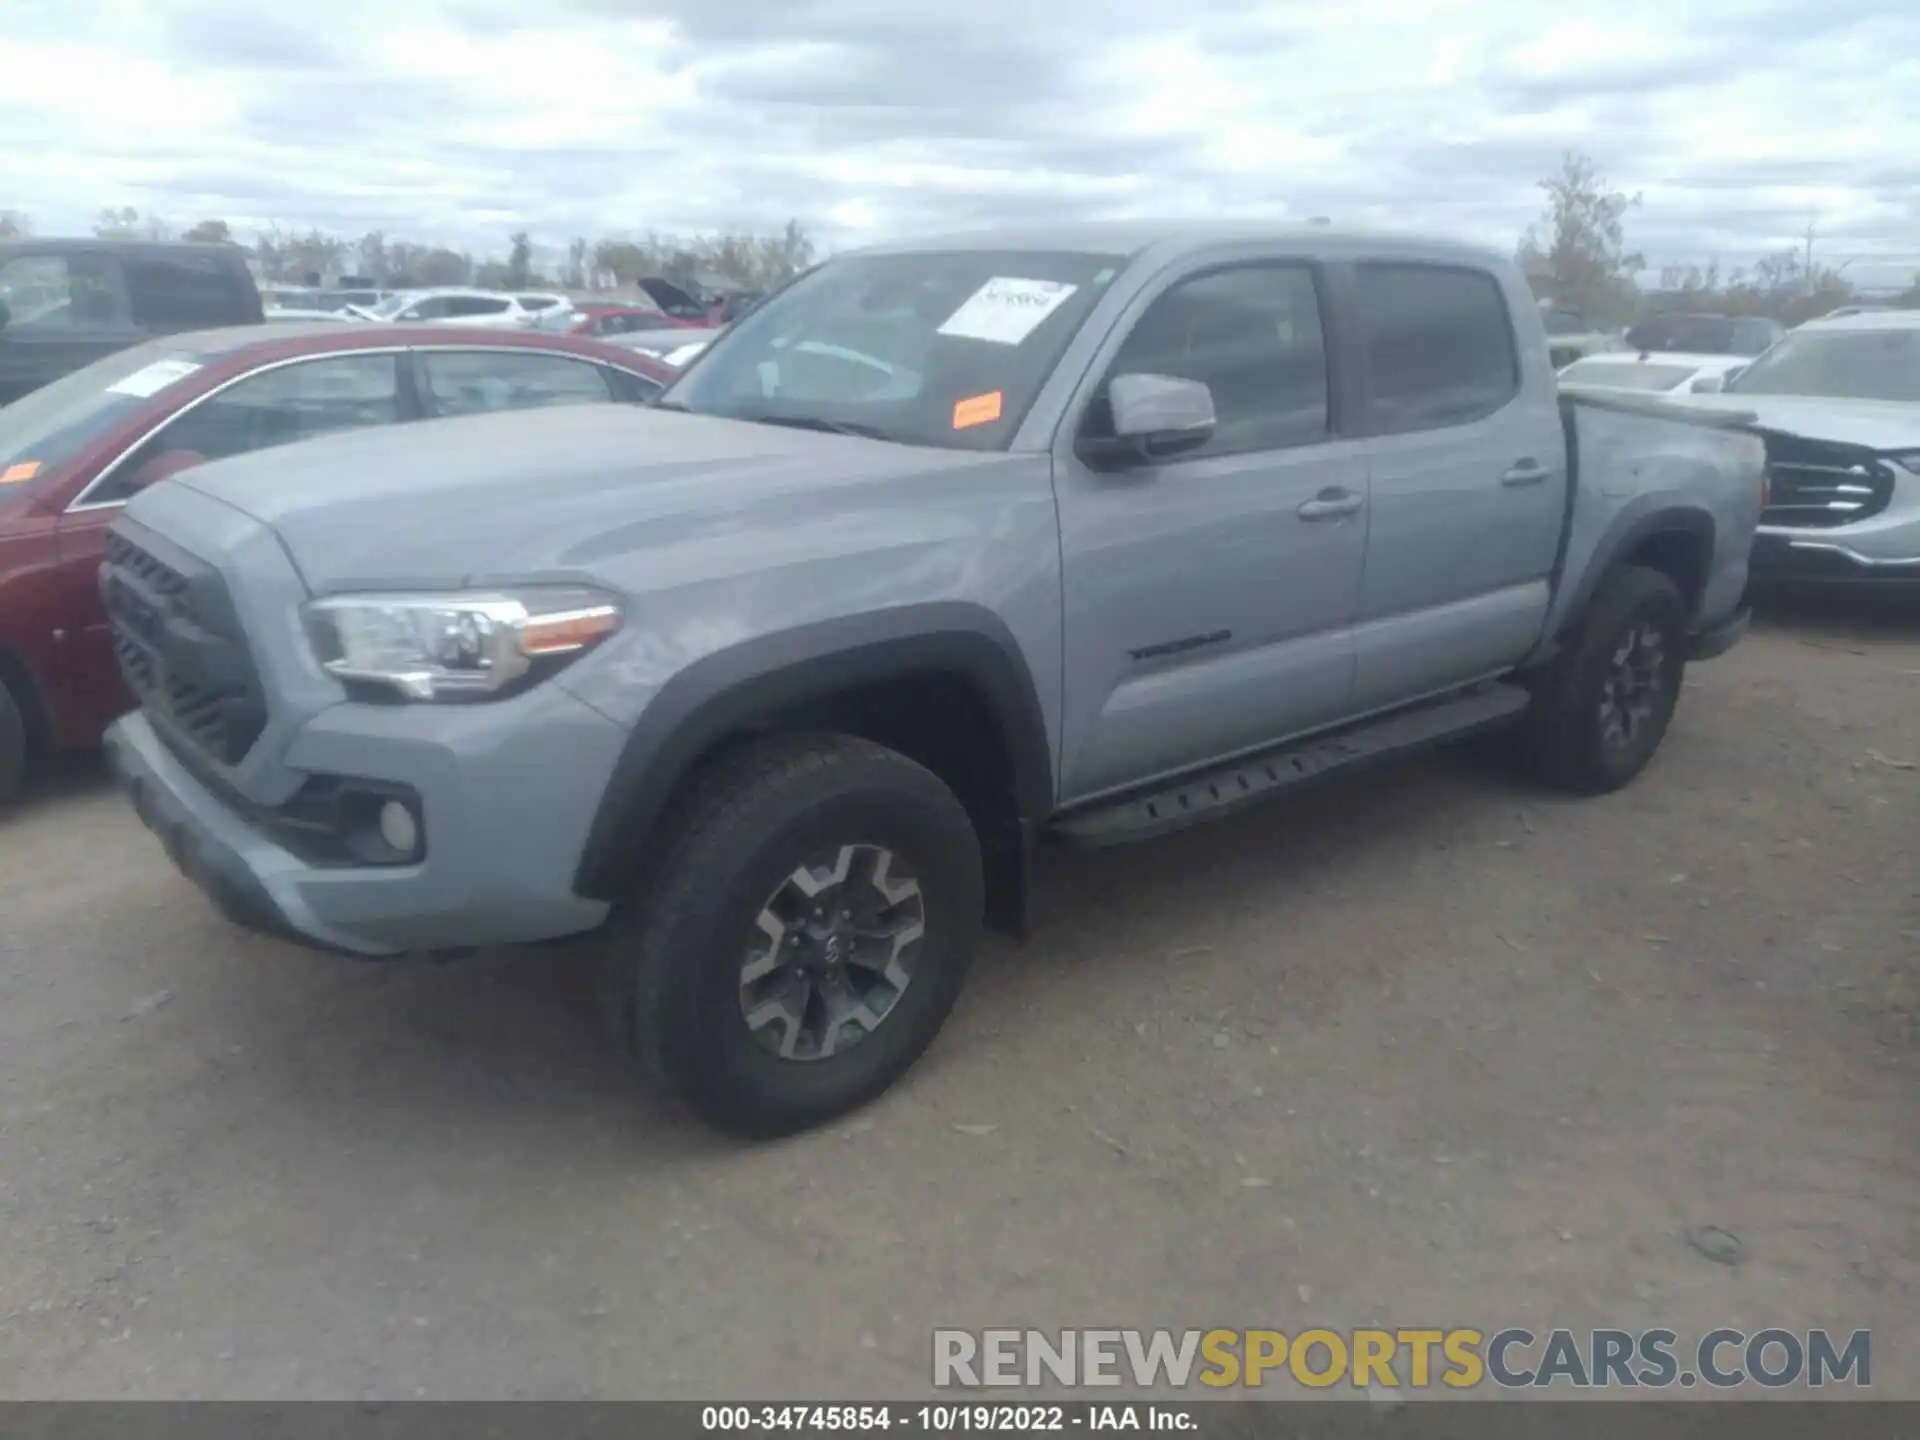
[1417, 1359]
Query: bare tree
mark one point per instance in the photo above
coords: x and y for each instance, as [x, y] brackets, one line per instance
[520, 262]
[14, 222]
[1576, 253]
[122, 223]
[210, 232]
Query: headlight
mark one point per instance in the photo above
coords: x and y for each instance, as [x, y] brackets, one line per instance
[457, 647]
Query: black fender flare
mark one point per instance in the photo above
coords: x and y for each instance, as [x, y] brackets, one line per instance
[1624, 539]
[726, 691]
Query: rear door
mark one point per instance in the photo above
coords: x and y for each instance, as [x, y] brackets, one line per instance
[1469, 481]
[67, 309]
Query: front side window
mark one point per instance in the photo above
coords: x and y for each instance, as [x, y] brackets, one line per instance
[1252, 336]
[472, 382]
[943, 348]
[61, 292]
[464, 305]
[1864, 364]
[1438, 343]
[273, 407]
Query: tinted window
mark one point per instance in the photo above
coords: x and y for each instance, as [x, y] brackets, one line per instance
[68, 292]
[183, 292]
[537, 302]
[274, 407]
[433, 308]
[474, 305]
[470, 382]
[1439, 345]
[1252, 336]
[1750, 337]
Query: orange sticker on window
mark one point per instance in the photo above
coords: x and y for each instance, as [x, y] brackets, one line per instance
[27, 469]
[976, 410]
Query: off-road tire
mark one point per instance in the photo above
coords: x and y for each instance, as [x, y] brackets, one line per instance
[13, 746]
[1562, 738]
[755, 815]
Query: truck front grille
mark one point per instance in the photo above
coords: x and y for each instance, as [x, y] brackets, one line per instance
[1814, 484]
[180, 645]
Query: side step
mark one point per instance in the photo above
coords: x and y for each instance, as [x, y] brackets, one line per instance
[1261, 776]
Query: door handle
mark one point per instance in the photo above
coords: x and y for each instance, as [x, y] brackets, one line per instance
[1524, 472]
[1330, 504]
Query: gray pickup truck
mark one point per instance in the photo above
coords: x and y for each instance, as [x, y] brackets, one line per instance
[949, 548]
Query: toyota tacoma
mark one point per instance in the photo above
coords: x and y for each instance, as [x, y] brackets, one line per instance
[949, 548]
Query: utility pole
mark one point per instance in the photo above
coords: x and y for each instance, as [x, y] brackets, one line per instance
[1806, 264]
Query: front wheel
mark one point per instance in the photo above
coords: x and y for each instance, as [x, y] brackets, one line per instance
[1601, 709]
[805, 935]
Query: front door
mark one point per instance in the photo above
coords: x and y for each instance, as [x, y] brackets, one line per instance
[1210, 598]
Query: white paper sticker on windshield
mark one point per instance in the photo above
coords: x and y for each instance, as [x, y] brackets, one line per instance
[1006, 310]
[154, 378]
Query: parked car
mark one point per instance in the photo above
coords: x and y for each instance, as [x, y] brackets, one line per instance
[72, 453]
[608, 320]
[1570, 335]
[1628, 370]
[1839, 403]
[277, 316]
[679, 305]
[1082, 534]
[1705, 334]
[453, 305]
[676, 347]
[66, 303]
[340, 299]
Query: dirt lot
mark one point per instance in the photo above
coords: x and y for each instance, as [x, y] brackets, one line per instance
[1425, 1048]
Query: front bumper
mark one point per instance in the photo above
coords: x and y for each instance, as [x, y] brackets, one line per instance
[507, 793]
[1830, 559]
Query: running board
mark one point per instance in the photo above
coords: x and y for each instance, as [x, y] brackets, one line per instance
[1214, 793]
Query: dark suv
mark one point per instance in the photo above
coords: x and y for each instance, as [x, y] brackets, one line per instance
[66, 303]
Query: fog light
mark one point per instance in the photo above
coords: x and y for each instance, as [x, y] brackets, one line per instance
[398, 827]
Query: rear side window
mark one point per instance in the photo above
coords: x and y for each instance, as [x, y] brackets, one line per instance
[471, 382]
[183, 292]
[458, 305]
[1439, 345]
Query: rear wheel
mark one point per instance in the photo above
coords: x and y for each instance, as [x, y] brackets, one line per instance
[1602, 708]
[805, 934]
[13, 746]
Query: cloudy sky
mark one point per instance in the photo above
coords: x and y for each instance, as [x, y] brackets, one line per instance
[1738, 121]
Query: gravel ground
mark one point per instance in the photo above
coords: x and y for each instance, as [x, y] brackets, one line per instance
[1427, 1047]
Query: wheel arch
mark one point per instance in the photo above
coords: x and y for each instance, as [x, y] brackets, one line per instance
[944, 683]
[1677, 540]
[20, 683]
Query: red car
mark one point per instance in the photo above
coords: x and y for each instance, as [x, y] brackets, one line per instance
[602, 318]
[74, 451]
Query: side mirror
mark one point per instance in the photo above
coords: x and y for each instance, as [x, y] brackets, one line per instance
[1155, 417]
[159, 467]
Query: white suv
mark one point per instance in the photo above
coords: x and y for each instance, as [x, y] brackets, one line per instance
[490, 308]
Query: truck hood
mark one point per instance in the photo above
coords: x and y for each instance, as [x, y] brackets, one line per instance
[542, 494]
[1876, 424]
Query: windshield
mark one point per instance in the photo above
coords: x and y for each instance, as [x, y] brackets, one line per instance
[49, 426]
[945, 348]
[1838, 365]
[1624, 376]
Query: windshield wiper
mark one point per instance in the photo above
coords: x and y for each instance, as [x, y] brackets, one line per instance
[817, 422]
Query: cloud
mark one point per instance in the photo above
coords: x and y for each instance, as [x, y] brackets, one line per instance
[1738, 122]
